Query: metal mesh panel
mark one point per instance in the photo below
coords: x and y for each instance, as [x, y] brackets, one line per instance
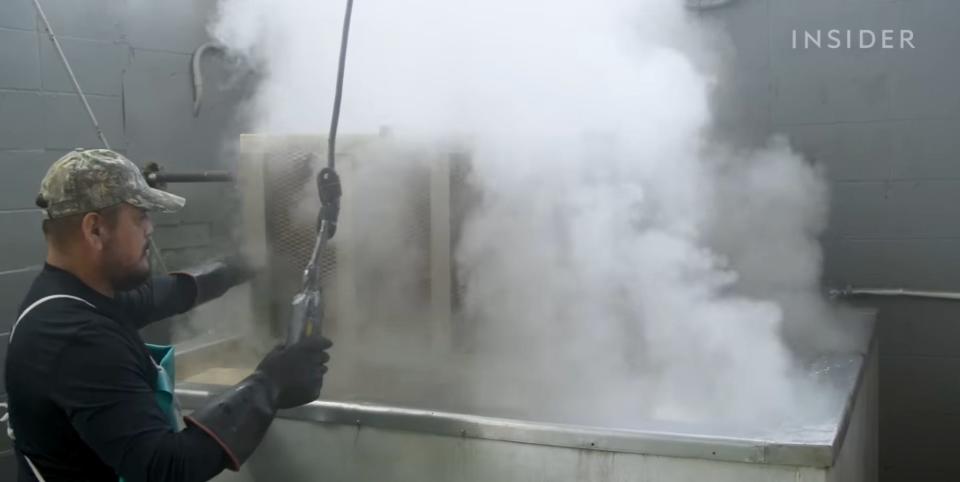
[417, 236]
[462, 197]
[289, 185]
[388, 213]
[289, 193]
[377, 268]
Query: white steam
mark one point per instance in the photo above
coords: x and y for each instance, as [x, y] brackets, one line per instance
[618, 262]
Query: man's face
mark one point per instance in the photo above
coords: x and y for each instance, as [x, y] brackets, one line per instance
[126, 248]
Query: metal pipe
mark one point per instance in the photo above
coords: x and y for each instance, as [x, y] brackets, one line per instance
[707, 4]
[154, 178]
[73, 78]
[894, 292]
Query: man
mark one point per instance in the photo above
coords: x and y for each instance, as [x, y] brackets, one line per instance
[85, 393]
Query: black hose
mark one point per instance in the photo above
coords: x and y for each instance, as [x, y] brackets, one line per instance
[328, 182]
[338, 97]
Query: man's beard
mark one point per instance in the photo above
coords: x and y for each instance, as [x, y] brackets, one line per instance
[130, 279]
[126, 278]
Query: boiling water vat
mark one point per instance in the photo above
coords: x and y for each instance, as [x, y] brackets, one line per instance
[378, 423]
[405, 400]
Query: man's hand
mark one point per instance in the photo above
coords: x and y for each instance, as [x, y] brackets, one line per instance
[237, 269]
[296, 371]
[214, 278]
[238, 418]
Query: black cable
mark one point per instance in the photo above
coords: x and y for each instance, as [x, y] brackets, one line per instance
[338, 97]
[308, 306]
[328, 182]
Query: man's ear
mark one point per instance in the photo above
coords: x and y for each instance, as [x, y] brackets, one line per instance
[92, 229]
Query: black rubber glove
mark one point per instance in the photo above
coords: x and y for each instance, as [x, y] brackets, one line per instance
[238, 418]
[289, 376]
[297, 370]
[214, 278]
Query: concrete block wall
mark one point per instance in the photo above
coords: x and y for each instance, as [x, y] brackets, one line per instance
[132, 58]
[886, 125]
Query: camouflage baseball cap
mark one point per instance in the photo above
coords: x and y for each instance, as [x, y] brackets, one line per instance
[89, 180]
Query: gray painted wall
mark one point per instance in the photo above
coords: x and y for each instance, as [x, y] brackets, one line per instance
[132, 57]
[886, 125]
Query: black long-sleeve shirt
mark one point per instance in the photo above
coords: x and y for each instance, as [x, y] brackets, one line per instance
[80, 384]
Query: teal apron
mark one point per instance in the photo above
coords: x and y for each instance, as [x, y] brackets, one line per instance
[162, 356]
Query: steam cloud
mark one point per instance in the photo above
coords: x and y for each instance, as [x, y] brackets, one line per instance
[619, 262]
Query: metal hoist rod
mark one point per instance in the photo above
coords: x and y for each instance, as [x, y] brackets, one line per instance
[73, 78]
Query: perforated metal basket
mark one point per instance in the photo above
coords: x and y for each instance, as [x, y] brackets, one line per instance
[389, 267]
